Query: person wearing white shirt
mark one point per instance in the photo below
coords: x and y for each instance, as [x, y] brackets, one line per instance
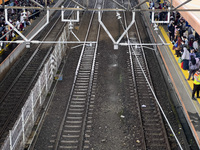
[195, 45]
[185, 57]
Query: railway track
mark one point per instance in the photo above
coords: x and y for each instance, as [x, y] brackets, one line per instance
[74, 131]
[150, 129]
[154, 135]
[17, 84]
[76, 124]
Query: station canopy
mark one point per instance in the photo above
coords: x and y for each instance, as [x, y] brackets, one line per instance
[192, 17]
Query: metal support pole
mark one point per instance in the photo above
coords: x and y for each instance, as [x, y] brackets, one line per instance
[125, 32]
[153, 19]
[69, 20]
[78, 4]
[46, 77]
[132, 22]
[10, 135]
[75, 35]
[37, 3]
[139, 4]
[39, 82]
[101, 23]
[182, 4]
[142, 44]
[6, 19]
[3, 4]
[50, 42]
[32, 102]
[42, 26]
[45, 3]
[119, 4]
[23, 122]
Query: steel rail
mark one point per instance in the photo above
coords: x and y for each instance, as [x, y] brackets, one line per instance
[152, 90]
[133, 77]
[37, 130]
[25, 66]
[149, 82]
[23, 69]
[90, 85]
[72, 90]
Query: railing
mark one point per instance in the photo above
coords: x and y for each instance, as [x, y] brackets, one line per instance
[20, 132]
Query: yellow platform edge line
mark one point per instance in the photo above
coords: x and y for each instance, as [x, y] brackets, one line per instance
[185, 72]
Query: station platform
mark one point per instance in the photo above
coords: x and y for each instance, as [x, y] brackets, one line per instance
[177, 77]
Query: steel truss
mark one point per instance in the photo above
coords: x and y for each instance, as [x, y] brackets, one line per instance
[99, 10]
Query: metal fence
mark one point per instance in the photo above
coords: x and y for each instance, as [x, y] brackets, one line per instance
[21, 130]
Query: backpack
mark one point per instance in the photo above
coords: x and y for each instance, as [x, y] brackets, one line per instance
[193, 60]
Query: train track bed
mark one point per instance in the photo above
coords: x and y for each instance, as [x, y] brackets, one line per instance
[52, 121]
[114, 123]
[115, 118]
[19, 81]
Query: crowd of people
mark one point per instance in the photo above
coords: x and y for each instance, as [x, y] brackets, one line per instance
[185, 42]
[20, 18]
[186, 47]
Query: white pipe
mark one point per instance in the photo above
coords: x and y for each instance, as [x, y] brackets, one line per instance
[75, 36]
[37, 3]
[132, 22]
[65, 42]
[49, 42]
[42, 26]
[152, 17]
[161, 39]
[69, 20]
[6, 18]
[119, 4]
[78, 4]
[141, 44]
[125, 32]
[106, 30]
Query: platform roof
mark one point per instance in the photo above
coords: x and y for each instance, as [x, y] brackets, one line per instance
[192, 17]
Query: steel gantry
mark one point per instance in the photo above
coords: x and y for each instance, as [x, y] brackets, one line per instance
[99, 10]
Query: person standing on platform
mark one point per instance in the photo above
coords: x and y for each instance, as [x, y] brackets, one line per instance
[193, 66]
[196, 86]
[178, 48]
[185, 57]
[195, 45]
[171, 29]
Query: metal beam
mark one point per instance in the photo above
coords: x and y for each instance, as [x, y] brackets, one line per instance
[37, 3]
[10, 24]
[96, 9]
[168, 17]
[104, 27]
[127, 29]
[119, 4]
[142, 44]
[78, 4]
[182, 4]
[49, 42]
[139, 4]
[47, 22]
[69, 20]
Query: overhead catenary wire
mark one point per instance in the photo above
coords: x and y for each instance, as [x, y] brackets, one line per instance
[163, 113]
[151, 88]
